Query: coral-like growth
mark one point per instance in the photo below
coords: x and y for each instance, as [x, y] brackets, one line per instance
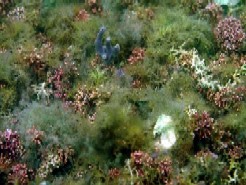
[106, 52]
[61, 79]
[146, 166]
[54, 161]
[36, 59]
[214, 12]
[205, 168]
[5, 163]
[87, 99]
[94, 6]
[229, 97]
[36, 135]
[223, 139]
[201, 72]
[114, 173]
[236, 152]
[17, 14]
[224, 96]
[140, 160]
[82, 15]
[136, 56]
[165, 170]
[230, 34]
[56, 81]
[10, 145]
[19, 174]
[203, 125]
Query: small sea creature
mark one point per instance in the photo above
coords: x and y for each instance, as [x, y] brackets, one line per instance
[42, 91]
[120, 72]
[106, 52]
[165, 131]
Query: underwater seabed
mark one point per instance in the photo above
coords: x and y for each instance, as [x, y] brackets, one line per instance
[123, 92]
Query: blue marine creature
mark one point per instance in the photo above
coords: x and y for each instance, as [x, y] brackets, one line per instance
[120, 72]
[106, 52]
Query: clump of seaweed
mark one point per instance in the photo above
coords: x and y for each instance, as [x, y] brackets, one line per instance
[196, 34]
[126, 128]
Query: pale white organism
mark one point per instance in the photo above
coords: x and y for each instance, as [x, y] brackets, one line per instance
[164, 130]
[42, 91]
[190, 111]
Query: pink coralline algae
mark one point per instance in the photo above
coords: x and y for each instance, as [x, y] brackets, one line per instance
[214, 12]
[203, 125]
[227, 97]
[114, 173]
[141, 160]
[159, 168]
[136, 56]
[10, 145]
[165, 170]
[56, 81]
[230, 34]
[61, 79]
[19, 174]
[36, 135]
[82, 15]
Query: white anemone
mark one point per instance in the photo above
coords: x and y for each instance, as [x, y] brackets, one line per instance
[165, 130]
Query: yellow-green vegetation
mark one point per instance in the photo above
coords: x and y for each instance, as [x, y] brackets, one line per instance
[172, 28]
